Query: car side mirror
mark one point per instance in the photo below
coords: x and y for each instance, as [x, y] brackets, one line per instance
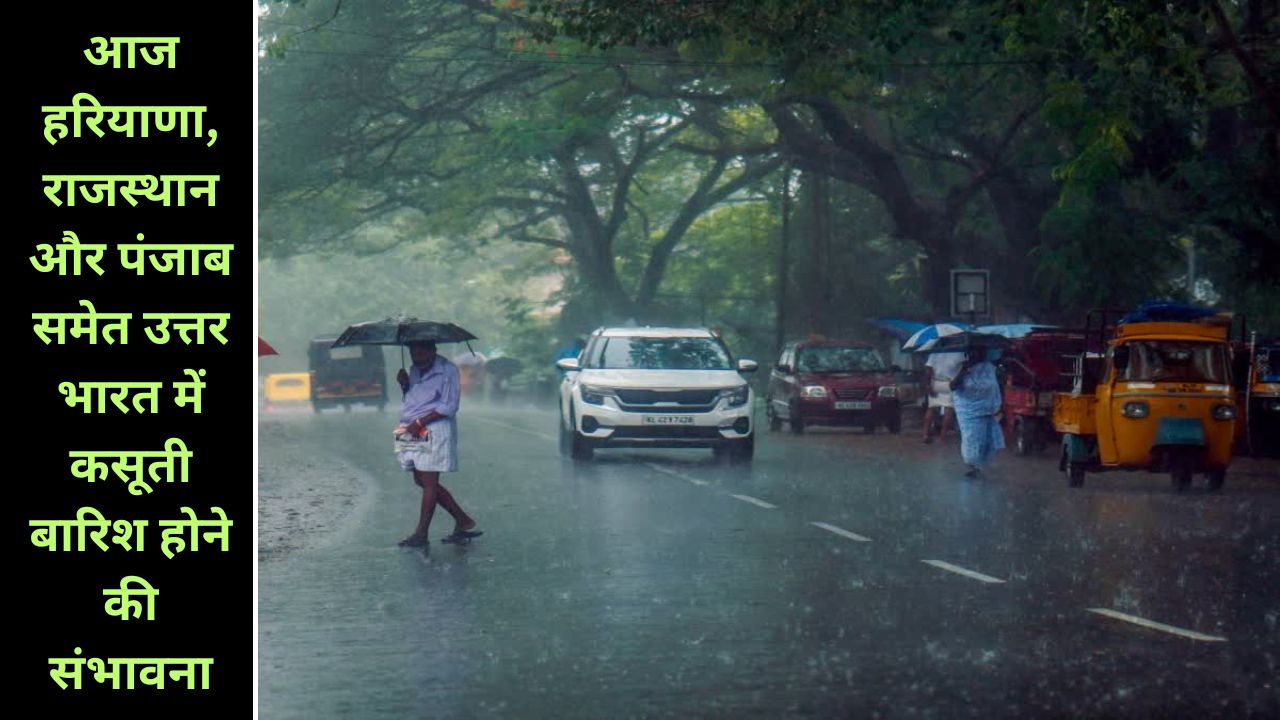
[895, 368]
[784, 369]
[568, 364]
[1120, 358]
[748, 366]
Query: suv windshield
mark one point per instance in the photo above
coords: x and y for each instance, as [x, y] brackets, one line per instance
[824, 359]
[649, 353]
[1170, 361]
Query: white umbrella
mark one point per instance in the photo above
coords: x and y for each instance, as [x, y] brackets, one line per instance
[1011, 330]
[929, 333]
[469, 358]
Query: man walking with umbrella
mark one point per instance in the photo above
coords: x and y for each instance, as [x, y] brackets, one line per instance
[426, 440]
[427, 436]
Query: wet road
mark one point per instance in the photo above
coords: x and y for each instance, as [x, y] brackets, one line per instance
[837, 575]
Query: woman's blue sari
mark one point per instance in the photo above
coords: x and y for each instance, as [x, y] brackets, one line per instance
[977, 401]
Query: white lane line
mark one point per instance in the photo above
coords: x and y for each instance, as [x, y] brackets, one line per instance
[1192, 634]
[840, 531]
[517, 428]
[756, 501]
[673, 473]
[961, 571]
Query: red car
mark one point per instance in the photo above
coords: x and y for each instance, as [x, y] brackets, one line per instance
[832, 382]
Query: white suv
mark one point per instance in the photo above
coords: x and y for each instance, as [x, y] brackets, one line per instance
[656, 387]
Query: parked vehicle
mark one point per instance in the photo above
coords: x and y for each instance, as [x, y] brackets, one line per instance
[1163, 402]
[1260, 399]
[656, 387]
[1035, 367]
[833, 382]
[346, 376]
[286, 388]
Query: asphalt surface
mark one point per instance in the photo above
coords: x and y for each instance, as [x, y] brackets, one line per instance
[838, 575]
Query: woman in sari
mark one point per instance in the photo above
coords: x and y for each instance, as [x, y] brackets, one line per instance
[975, 392]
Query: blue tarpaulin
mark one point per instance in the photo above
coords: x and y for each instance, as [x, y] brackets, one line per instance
[1167, 310]
[903, 329]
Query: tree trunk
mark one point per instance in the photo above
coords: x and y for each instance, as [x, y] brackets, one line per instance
[815, 312]
[780, 331]
[1019, 207]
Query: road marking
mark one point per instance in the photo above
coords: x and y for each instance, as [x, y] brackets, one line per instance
[756, 501]
[1192, 634]
[673, 473]
[517, 428]
[841, 531]
[961, 571]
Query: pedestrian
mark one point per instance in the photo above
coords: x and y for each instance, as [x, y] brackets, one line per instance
[572, 351]
[976, 395]
[426, 440]
[939, 370]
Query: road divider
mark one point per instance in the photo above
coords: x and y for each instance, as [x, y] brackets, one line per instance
[1153, 625]
[673, 473]
[755, 501]
[962, 571]
[840, 531]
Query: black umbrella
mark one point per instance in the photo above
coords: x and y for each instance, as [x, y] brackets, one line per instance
[502, 367]
[402, 330]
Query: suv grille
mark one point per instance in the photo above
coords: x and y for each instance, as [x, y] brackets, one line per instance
[684, 397]
[672, 401]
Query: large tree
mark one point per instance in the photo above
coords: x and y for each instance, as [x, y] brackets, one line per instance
[438, 115]
[965, 116]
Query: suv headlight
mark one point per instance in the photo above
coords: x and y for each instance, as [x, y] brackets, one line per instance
[736, 396]
[593, 395]
[888, 391]
[813, 391]
[1224, 412]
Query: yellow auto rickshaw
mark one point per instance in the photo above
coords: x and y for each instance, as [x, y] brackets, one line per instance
[1162, 402]
[1260, 399]
[280, 388]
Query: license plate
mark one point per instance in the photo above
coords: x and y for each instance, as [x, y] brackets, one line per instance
[853, 404]
[668, 419]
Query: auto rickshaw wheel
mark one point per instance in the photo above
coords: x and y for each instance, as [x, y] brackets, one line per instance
[1075, 475]
[1180, 471]
[1021, 442]
[775, 423]
[1216, 478]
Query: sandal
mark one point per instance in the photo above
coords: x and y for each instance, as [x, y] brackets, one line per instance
[461, 536]
[414, 541]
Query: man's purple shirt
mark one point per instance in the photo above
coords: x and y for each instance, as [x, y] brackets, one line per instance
[436, 389]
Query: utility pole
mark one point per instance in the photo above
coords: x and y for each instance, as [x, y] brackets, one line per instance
[780, 329]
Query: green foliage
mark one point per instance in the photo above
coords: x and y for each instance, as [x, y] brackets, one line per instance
[1116, 128]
